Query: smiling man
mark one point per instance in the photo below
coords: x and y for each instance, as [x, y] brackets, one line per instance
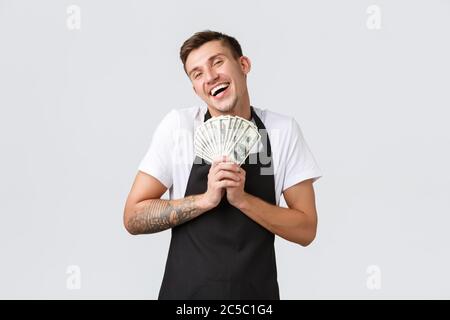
[223, 216]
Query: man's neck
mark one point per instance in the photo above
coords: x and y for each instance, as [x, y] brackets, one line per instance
[243, 112]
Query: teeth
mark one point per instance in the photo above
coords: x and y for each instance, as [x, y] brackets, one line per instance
[220, 86]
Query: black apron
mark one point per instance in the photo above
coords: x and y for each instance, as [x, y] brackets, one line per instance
[223, 254]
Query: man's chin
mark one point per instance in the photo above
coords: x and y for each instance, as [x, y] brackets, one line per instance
[224, 107]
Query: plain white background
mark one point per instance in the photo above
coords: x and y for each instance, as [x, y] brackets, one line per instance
[79, 106]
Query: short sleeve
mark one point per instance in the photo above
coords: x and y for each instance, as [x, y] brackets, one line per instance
[157, 161]
[300, 162]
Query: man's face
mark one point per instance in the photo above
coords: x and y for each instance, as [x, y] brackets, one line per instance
[217, 76]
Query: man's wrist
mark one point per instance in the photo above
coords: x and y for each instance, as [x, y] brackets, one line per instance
[243, 204]
[202, 203]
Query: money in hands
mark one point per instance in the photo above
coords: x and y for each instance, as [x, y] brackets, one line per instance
[229, 136]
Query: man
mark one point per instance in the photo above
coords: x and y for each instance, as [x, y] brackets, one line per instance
[223, 216]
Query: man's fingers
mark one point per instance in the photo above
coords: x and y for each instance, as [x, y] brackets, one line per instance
[224, 174]
[215, 162]
[231, 166]
[227, 184]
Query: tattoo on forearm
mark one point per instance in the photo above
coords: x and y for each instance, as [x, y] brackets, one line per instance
[158, 215]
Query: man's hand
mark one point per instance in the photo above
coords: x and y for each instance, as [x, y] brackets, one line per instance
[236, 194]
[222, 175]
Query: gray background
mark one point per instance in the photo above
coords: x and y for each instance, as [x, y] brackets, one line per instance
[78, 109]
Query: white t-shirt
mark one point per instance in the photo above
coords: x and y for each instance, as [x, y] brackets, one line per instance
[171, 153]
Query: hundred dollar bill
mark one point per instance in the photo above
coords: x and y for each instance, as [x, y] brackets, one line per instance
[244, 145]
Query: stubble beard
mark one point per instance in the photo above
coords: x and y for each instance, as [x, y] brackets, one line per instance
[229, 106]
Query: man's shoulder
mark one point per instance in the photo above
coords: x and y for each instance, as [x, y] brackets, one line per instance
[182, 118]
[274, 119]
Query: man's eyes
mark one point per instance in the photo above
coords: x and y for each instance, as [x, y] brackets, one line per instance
[197, 75]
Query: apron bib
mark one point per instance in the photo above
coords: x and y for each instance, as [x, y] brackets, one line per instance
[223, 254]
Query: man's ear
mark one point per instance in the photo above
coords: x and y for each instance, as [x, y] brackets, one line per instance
[246, 64]
[194, 89]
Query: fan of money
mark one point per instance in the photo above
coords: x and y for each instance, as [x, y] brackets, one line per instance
[229, 136]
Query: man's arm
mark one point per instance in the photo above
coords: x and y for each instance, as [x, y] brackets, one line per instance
[145, 212]
[298, 223]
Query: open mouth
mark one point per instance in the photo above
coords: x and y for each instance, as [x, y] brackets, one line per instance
[218, 91]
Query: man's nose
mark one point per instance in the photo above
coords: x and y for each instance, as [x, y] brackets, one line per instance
[211, 76]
